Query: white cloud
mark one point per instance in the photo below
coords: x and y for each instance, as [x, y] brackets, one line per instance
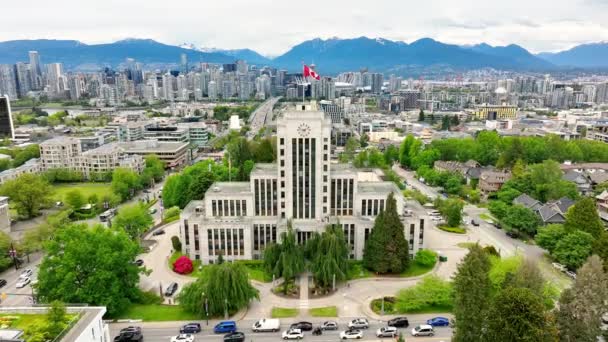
[272, 27]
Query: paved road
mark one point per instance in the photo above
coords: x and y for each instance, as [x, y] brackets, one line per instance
[163, 331]
[261, 115]
[486, 233]
[22, 296]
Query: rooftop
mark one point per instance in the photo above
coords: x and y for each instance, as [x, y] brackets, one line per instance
[237, 188]
[377, 187]
[149, 146]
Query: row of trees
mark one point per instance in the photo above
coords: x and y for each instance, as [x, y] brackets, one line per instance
[19, 156]
[326, 254]
[194, 181]
[511, 303]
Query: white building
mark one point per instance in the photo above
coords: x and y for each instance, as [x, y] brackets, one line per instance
[238, 219]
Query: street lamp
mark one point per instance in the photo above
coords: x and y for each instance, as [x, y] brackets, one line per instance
[225, 308]
[206, 309]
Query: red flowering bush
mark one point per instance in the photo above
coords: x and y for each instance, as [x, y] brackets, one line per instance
[183, 265]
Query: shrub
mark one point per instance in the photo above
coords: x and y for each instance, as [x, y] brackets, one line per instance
[425, 257]
[432, 291]
[170, 213]
[177, 245]
[491, 250]
[147, 298]
[183, 265]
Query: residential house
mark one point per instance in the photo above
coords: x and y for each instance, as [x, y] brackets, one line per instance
[601, 201]
[583, 184]
[527, 202]
[492, 181]
[549, 213]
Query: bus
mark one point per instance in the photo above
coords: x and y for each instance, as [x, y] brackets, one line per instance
[106, 215]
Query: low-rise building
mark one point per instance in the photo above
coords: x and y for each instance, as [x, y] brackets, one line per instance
[30, 166]
[174, 154]
[86, 326]
[5, 217]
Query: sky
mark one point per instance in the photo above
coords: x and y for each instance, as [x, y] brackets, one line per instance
[271, 27]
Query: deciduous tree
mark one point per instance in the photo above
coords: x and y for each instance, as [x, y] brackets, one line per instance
[28, 193]
[134, 219]
[91, 265]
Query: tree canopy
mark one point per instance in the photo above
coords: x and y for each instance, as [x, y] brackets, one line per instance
[328, 256]
[29, 193]
[92, 265]
[285, 259]
[386, 250]
[134, 219]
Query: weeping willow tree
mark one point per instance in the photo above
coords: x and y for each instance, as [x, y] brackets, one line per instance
[286, 259]
[226, 287]
[328, 255]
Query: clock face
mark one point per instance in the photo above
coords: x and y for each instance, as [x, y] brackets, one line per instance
[303, 130]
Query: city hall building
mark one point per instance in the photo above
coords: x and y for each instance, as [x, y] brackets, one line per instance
[239, 219]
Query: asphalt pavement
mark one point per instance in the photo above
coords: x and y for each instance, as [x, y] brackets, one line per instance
[12, 295]
[163, 331]
[262, 115]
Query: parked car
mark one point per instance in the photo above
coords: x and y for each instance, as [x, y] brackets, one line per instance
[386, 332]
[183, 338]
[438, 322]
[497, 225]
[359, 323]
[190, 328]
[512, 234]
[26, 273]
[399, 322]
[129, 336]
[351, 334]
[59, 204]
[475, 223]
[293, 334]
[225, 327]
[571, 274]
[23, 282]
[2, 282]
[139, 262]
[423, 330]
[559, 266]
[329, 325]
[304, 326]
[158, 232]
[236, 336]
[171, 289]
[152, 211]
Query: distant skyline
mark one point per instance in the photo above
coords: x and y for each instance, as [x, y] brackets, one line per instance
[273, 27]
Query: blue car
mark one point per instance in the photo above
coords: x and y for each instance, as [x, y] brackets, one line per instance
[225, 327]
[438, 322]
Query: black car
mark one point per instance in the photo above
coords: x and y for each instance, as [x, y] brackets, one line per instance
[190, 328]
[171, 289]
[236, 336]
[497, 225]
[2, 282]
[304, 326]
[129, 336]
[139, 262]
[130, 329]
[475, 223]
[512, 234]
[399, 322]
[158, 232]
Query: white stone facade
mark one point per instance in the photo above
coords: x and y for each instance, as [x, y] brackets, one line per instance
[238, 219]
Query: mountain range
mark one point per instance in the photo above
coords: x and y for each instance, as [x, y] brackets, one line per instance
[332, 55]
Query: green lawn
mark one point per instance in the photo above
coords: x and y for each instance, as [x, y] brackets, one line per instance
[415, 269]
[284, 312]
[157, 313]
[327, 311]
[456, 230]
[28, 323]
[87, 189]
[196, 269]
[486, 217]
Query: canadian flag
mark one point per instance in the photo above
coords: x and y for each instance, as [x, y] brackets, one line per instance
[308, 72]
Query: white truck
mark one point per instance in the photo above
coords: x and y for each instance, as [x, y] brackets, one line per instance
[266, 324]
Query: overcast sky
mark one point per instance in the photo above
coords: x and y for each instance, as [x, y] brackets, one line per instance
[271, 27]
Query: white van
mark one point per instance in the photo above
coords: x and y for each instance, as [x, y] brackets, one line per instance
[266, 324]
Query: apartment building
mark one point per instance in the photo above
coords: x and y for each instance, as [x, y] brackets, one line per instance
[174, 154]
